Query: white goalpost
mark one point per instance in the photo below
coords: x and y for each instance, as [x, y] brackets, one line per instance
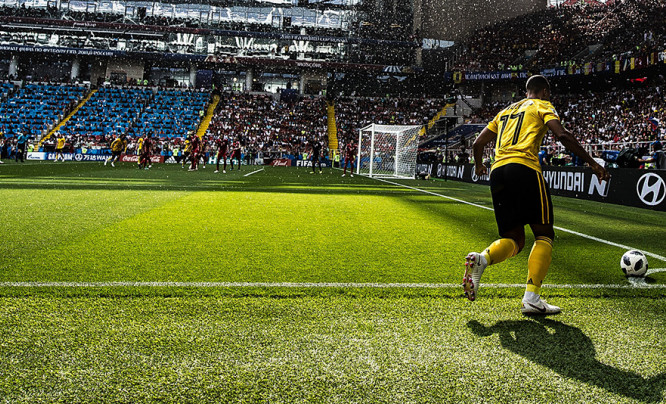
[388, 150]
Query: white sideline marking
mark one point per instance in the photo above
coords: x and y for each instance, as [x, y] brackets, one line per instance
[253, 172]
[309, 285]
[600, 240]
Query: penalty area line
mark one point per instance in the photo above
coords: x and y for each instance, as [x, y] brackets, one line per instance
[253, 172]
[313, 285]
[587, 236]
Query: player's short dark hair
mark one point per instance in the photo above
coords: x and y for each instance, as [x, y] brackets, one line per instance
[537, 83]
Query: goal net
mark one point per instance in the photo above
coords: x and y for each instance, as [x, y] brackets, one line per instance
[388, 151]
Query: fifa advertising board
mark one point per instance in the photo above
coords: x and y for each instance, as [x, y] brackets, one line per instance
[627, 186]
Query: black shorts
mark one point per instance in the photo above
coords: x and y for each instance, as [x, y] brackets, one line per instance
[115, 153]
[520, 197]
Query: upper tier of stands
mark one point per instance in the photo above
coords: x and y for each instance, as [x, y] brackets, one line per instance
[567, 34]
[35, 108]
[171, 113]
[256, 25]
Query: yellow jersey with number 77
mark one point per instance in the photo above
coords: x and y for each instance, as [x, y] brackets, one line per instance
[520, 130]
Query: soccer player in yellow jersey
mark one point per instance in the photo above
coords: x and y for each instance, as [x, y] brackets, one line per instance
[118, 146]
[187, 150]
[139, 150]
[60, 145]
[520, 194]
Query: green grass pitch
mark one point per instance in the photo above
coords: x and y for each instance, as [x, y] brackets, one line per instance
[126, 285]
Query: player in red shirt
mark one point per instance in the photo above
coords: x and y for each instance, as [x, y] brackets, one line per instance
[222, 149]
[236, 154]
[196, 149]
[350, 156]
[144, 153]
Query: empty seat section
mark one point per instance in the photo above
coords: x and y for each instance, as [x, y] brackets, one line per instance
[171, 113]
[35, 108]
[110, 111]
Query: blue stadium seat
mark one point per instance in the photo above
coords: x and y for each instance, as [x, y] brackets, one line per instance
[35, 108]
[110, 111]
[171, 113]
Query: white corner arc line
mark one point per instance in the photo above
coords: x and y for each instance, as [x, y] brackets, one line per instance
[253, 172]
[310, 285]
[600, 240]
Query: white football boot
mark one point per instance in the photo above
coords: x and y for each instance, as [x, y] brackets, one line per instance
[475, 264]
[538, 307]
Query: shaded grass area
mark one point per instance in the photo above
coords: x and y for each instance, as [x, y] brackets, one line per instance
[329, 349]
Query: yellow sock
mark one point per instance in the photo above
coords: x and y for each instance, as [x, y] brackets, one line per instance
[500, 250]
[538, 263]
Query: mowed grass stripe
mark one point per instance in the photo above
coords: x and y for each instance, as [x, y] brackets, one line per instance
[579, 234]
[258, 236]
[633, 283]
[285, 226]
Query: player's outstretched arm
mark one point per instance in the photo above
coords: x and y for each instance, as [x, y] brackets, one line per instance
[569, 141]
[486, 136]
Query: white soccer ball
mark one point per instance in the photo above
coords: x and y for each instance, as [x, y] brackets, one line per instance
[634, 263]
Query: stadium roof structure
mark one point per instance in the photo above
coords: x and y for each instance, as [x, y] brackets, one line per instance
[591, 2]
[577, 2]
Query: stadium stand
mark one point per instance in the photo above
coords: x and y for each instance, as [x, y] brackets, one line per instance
[573, 34]
[265, 123]
[35, 108]
[51, 13]
[5, 89]
[605, 122]
[171, 113]
[109, 111]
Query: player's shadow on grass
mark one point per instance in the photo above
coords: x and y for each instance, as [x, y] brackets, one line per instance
[569, 352]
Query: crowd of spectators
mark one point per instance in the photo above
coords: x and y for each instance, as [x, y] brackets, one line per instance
[615, 119]
[603, 121]
[262, 122]
[264, 125]
[606, 120]
[563, 35]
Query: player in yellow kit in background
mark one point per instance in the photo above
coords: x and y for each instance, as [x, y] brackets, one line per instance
[60, 145]
[118, 146]
[519, 191]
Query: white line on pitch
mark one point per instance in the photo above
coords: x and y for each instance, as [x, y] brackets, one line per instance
[434, 193]
[600, 240]
[253, 172]
[309, 285]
